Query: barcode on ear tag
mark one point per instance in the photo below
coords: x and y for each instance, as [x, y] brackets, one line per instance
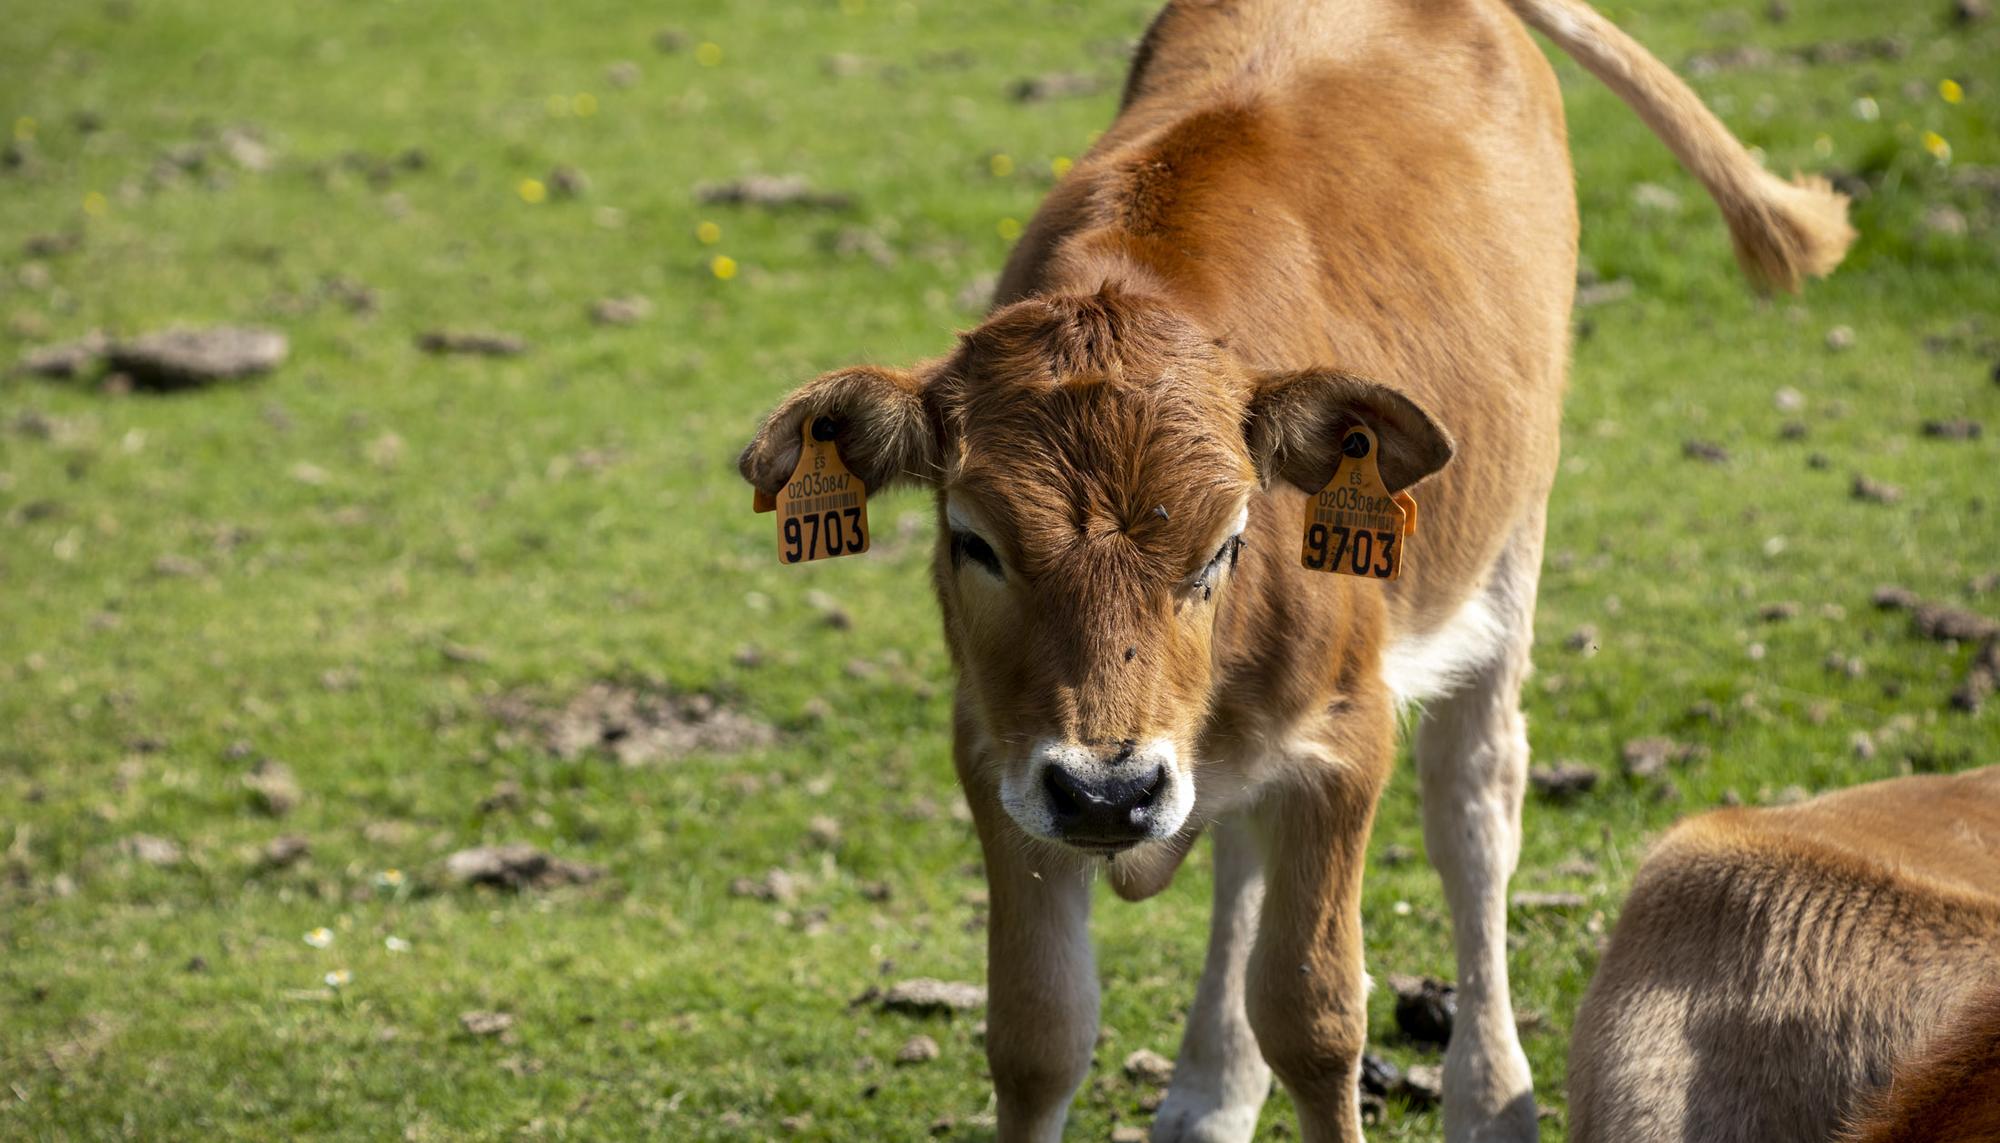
[1354, 526]
[823, 508]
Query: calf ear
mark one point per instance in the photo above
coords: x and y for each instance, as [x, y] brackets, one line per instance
[879, 423]
[1296, 421]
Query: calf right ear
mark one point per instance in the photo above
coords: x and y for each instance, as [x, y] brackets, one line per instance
[879, 422]
[1296, 421]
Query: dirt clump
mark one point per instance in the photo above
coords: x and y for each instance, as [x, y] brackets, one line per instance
[478, 343]
[771, 191]
[66, 359]
[924, 996]
[1563, 781]
[184, 358]
[516, 866]
[637, 724]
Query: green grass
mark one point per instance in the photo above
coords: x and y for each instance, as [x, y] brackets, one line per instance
[572, 514]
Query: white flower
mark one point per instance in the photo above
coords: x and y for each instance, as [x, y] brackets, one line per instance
[396, 944]
[338, 978]
[320, 938]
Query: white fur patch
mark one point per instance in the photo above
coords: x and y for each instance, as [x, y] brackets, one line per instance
[1419, 667]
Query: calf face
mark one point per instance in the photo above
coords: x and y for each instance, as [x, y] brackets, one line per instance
[1095, 457]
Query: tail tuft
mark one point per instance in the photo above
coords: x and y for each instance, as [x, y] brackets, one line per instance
[1785, 232]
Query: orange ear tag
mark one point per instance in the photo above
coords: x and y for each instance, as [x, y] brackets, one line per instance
[1353, 525]
[823, 509]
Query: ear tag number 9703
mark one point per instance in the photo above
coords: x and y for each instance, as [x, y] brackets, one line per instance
[823, 508]
[1354, 525]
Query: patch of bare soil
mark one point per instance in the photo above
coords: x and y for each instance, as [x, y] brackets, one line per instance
[638, 724]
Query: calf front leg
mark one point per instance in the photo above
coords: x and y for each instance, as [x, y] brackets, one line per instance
[1308, 994]
[1472, 758]
[1041, 979]
[1221, 1079]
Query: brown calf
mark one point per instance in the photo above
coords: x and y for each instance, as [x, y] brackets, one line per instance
[1309, 214]
[1777, 971]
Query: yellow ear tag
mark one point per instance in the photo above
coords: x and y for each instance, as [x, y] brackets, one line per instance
[1354, 526]
[823, 509]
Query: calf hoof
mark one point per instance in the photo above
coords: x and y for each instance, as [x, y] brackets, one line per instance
[1488, 1098]
[1195, 1119]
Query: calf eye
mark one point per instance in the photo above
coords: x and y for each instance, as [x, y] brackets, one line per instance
[967, 546]
[1224, 559]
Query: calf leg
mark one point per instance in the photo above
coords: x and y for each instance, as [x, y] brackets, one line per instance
[1220, 1079]
[1307, 992]
[1472, 758]
[1041, 978]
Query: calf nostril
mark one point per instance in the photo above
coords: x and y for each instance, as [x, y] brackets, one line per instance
[1150, 792]
[1065, 796]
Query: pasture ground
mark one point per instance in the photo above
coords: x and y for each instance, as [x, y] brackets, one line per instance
[383, 569]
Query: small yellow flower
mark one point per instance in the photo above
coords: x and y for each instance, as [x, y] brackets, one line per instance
[558, 105]
[1948, 90]
[24, 127]
[1936, 145]
[1060, 165]
[95, 204]
[708, 234]
[320, 938]
[708, 54]
[389, 878]
[532, 191]
[722, 266]
[1009, 228]
[338, 978]
[1001, 165]
[584, 103]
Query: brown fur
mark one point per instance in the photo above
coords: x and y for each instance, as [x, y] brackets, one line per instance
[1949, 1093]
[1308, 213]
[1773, 967]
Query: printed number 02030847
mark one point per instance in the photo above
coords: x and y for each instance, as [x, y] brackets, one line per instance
[1366, 553]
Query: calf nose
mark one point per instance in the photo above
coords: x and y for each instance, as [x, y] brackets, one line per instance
[1102, 810]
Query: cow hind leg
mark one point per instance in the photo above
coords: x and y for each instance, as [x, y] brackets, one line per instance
[1220, 1079]
[1472, 759]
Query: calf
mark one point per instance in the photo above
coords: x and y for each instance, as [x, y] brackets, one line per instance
[1310, 216]
[1779, 972]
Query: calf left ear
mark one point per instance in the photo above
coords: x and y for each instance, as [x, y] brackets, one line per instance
[1295, 423]
[879, 422]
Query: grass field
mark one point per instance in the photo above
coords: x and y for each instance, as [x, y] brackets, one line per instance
[381, 568]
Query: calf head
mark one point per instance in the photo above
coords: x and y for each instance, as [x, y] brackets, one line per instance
[1094, 457]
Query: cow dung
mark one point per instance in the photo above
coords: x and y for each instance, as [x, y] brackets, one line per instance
[1425, 1008]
